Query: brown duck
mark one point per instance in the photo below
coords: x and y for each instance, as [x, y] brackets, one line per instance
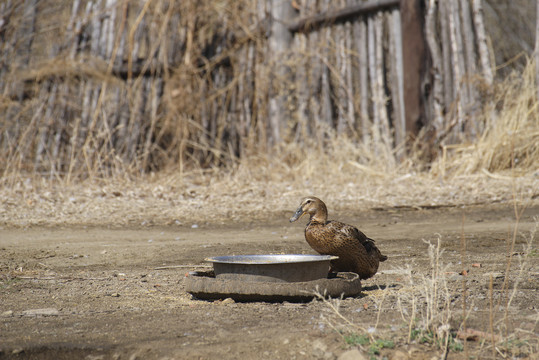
[357, 253]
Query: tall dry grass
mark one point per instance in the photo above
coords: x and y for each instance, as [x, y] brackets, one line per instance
[510, 139]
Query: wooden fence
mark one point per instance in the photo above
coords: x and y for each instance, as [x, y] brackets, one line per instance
[98, 86]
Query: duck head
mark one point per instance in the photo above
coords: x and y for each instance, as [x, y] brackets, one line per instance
[314, 207]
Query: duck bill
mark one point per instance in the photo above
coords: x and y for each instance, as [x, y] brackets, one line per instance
[299, 213]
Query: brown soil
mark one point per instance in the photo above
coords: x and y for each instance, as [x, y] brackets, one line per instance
[109, 299]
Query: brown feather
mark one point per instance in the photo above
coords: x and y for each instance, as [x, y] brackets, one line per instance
[357, 253]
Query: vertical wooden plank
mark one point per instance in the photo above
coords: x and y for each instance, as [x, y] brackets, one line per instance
[536, 45]
[457, 64]
[5, 48]
[398, 98]
[375, 129]
[484, 55]
[59, 161]
[363, 81]
[447, 70]
[260, 72]
[301, 61]
[249, 98]
[242, 73]
[380, 96]
[349, 83]
[326, 34]
[339, 75]
[279, 44]
[469, 41]
[414, 64]
[24, 37]
[435, 53]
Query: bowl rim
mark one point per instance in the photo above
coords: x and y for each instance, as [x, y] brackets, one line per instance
[268, 259]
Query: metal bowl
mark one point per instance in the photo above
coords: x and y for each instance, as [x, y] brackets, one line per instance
[272, 268]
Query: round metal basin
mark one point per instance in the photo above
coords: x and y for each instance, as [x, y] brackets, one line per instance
[272, 268]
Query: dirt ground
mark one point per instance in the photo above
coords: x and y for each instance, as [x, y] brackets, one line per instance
[115, 293]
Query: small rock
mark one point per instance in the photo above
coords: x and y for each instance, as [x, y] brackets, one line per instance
[400, 355]
[353, 354]
[328, 355]
[41, 312]
[319, 345]
[115, 295]
[94, 357]
[228, 301]
[7, 313]
[286, 342]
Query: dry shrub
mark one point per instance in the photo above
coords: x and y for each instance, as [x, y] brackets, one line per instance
[510, 139]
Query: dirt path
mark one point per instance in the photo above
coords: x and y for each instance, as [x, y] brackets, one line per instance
[98, 293]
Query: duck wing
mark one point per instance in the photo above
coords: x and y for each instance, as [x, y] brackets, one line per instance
[352, 232]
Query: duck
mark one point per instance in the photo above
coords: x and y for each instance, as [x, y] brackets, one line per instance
[357, 253]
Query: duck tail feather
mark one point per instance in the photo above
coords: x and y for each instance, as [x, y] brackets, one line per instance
[371, 247]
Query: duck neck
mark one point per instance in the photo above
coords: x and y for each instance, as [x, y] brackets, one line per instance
[321, 215]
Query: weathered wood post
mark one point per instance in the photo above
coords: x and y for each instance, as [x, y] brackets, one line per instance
[414, 64]
[537, 48]
[280, 39]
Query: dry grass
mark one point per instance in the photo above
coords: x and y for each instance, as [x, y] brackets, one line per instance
[434, 310]
[510, 139]
[503, 161]
[246, 192]
[343, 173]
